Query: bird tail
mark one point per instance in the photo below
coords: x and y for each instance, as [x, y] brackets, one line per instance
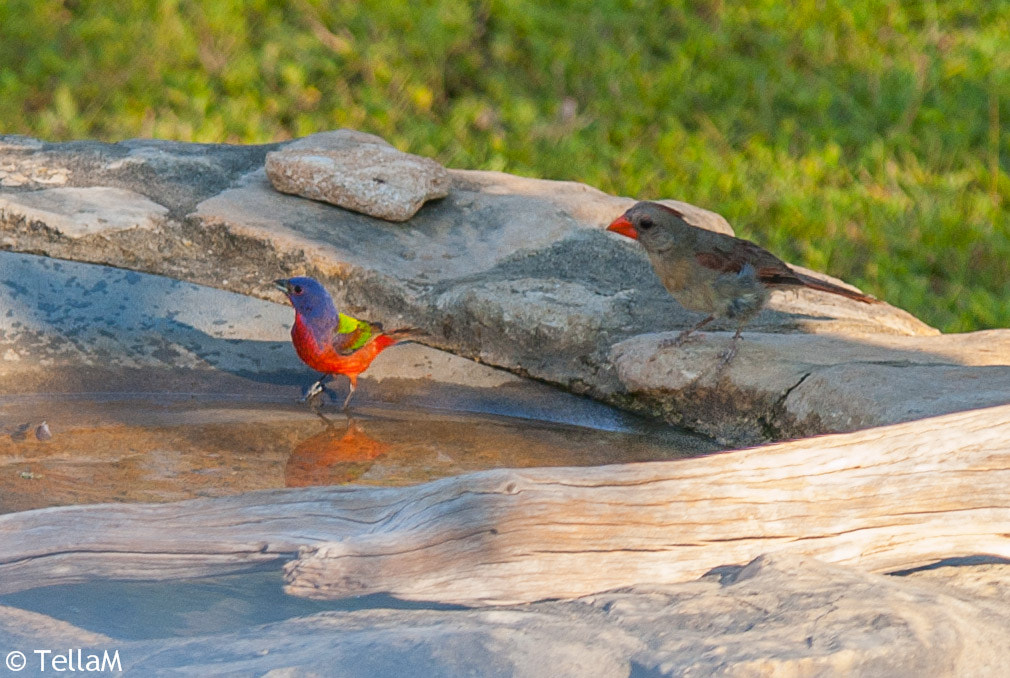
[408, 334]
[825, 286]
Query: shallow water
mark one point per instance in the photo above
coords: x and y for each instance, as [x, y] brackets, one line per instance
[163, 448]
[145, 610]
[135, 447]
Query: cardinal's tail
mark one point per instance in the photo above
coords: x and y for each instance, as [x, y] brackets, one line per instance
[825, 286]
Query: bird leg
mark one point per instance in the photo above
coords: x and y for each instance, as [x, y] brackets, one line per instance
[681, 338]
[730, 352]
[316, 389]
[313, 395]
[353, 379]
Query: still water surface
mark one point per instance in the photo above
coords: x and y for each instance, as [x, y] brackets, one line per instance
[165, 449]
[158, 447]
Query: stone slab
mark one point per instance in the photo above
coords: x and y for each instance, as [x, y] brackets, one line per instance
[775, 617]
[68, 327]
[798, 385]
[79, 212]
[513, 272]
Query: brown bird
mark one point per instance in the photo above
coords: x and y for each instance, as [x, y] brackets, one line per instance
[713, 273]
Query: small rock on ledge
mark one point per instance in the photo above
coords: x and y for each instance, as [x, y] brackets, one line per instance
[359, 172]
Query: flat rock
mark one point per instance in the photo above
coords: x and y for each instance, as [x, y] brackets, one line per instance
[968, 578]
[175, 175]
[792, 386]
[776, 616]
[69, 327]
[19, 142]
[514, 272]
[781, 616]
[19, 628]
[359, 172]
[77, 212]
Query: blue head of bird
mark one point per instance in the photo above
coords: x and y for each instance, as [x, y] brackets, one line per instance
[310, 299]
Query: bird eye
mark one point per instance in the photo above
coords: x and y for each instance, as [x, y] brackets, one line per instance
[645, 223]
[297, 289]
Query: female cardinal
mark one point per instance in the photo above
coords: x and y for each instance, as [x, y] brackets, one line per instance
[331, 342]
[713, 273]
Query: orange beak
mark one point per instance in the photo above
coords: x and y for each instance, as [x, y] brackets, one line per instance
[624, 227]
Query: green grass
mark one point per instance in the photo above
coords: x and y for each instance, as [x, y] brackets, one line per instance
[865, 138]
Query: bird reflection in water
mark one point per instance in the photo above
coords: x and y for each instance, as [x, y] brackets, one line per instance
[333, 456]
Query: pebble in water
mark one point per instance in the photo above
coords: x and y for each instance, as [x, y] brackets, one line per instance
[42, 431]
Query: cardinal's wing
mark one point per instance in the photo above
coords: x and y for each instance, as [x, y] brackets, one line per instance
[727, 254]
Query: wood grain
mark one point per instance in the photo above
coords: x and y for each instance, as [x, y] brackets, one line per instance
[881, 499]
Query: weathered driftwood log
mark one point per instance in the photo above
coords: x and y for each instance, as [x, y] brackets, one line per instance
[883, 499]
[179, 540]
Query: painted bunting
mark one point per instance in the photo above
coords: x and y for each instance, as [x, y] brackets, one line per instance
[713, 273]
[329, 341]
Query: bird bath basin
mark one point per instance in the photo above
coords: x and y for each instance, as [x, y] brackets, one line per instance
[130, 447]
[164, 447]
[154, 390]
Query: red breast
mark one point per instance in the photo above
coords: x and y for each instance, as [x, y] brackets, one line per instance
[323, 358]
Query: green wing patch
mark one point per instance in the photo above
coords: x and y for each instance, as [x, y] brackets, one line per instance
[351, 334]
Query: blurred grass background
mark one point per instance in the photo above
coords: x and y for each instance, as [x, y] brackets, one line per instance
[865, 138]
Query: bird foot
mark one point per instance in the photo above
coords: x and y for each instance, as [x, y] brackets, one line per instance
[684, 337]
[727, 356]
[313, 395]
[314, 401]
[313, 392]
